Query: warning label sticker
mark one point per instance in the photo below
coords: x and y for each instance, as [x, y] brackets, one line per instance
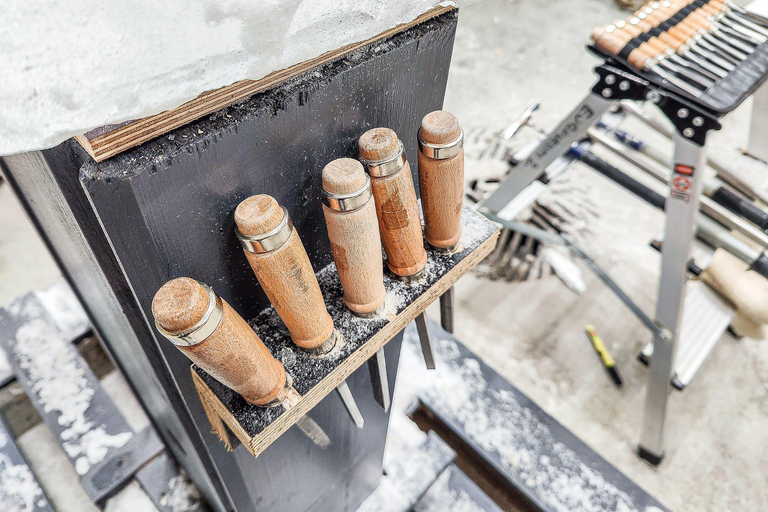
[681, 187]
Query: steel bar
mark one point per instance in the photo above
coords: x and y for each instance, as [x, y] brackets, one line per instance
[426, 342]
[349, 402]
[377, 367]
[447, 301]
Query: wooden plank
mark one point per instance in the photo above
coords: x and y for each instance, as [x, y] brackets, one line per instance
[522, 444]
[258, 427]
[19, 489]
[37, 331]
[102, 144]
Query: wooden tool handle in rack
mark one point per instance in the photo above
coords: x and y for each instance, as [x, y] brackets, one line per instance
[441, 178]
[353, 230]
[395, 197]
[281, 265]
[212, 335]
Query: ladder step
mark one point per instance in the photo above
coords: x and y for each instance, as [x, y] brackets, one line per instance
[454, 491]
[19, 489]
[706, 316]
[410, 470]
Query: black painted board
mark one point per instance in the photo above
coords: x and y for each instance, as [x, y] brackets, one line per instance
[307, 371]
[167, 208]
[19, 489]
[541, 458]
[48, 187]
[453, 491]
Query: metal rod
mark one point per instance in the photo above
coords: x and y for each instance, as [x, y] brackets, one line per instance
[707, 205]
[349, 402]
[726, 174]
[446, 310]
[567, 241]
[426, 342]
[377, 367]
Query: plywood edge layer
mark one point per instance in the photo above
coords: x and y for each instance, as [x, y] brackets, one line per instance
[134, 133]
[257, 444]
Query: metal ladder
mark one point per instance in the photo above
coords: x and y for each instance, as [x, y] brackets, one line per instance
[691, 126]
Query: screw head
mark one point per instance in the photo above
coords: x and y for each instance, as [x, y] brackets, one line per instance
[682, 113]
[698, 121]
[624, 85]
[653, 96]
[610, 79]
[606, 93]
[688, 132]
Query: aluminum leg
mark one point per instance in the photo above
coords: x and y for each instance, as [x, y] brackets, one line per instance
[557, 143]
[758, 128]
[682, 208]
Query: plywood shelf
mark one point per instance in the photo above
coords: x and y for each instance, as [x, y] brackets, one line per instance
[314, 378]
[107, 141]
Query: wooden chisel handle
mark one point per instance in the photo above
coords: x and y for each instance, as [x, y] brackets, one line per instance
[281, 265]
[441, 178]
[395, 197]
[353, 230]
[211, 334]
[613, 43]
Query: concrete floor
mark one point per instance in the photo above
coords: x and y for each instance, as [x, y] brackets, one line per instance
[506, 53]
[532, 332]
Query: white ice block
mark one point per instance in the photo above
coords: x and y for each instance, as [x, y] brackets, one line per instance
[67, 67]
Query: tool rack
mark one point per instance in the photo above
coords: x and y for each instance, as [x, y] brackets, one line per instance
[122, 227]
[314, 378]
[693, 117]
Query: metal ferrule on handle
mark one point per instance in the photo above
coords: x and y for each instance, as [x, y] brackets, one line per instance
[207, 325]
[348, 202]
[268, 241]
[441, 151]
[386, 167]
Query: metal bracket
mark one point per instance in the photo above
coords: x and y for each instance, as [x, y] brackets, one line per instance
[616, 84]
[689, 119]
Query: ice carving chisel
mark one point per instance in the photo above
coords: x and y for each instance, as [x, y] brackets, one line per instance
[441, 183]
[397, 208]
[281, 265]
[213, 335]
[353, 230]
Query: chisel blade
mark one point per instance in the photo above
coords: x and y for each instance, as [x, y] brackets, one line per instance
[446, 310]
[711, 57]
[313, 431]
[725, 51]
[683, 72]
[722, 35]
[349, 402]
[692, 64]
[693, 91]
[750, 36]
[377, 367]
[424, 339]
[738, 18]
